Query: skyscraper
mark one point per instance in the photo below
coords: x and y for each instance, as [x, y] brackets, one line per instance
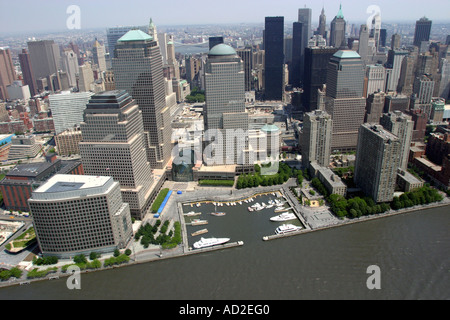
[363, 48]
[298, 54]
[322, 29]
[115, 33]
[337, 30]
[7, 73]
[345, 100]
[214, 41]
[247, 57]
[402, 127]
[138, 69]
[377, 161]
[304, 17]
[45, 62]
[70, 66]
[316, 66]
[422, 32]
[394, 62]
[316, 138]
[225, 104]
[113, 144]
[274, 58]
[98, 53]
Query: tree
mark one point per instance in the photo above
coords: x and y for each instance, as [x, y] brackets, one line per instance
[79, 259]
[116, 253]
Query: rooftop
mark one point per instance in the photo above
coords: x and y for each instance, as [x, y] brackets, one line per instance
[346, 54]
[135, 35]
[222, 50]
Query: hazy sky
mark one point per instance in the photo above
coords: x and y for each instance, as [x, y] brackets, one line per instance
[45, 15]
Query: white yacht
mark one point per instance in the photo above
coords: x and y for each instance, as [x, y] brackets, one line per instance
[285, 216]
[281, 209]
[285, 228]
[208, 242]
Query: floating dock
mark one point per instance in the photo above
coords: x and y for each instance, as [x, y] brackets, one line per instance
[199, 232]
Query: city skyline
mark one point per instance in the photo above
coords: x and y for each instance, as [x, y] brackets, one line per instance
[53, 15]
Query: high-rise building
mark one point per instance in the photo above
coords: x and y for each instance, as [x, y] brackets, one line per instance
[247, 57]
[376, 78]
[85, 77]
[422, 32]
[225, 104]
[315, 139]
[115, 33]
[402, 127]
[345, 100]
[98, 53]
[406, 79]
[363, 48]
[79, 214]
[377, 161]
[374, 107]
[304, 17]
[274, 58]
[45, 62]
[396, 41]
[423, 89]
[214, 41]
[394, 62]
[316, 66]
[27, 72]
[298, 54]
[67, 109]
[337, 30]
[7, 73]
[322, 29]
[138, 69]
[113, 144]
[70, 66]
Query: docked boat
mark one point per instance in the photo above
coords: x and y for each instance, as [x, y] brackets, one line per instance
[197, 222]
[286, 228]
[250, 209]
[208, 242]
[285, 216]
[192, 213]
[281, 209]
[218, 214]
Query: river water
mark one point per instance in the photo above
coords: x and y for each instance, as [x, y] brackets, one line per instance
[411, 250]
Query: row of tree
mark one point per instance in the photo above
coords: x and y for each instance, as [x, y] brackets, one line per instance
[257, 179]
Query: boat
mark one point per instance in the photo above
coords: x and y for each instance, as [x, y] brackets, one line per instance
[208, 242]
[199, 232]
[285, 216]
[197, 222]
[192, 213]
[286, 228]
[281, 209]
[218, 214]
[270, 206]
[250, 209]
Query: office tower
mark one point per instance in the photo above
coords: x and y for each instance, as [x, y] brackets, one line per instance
[113, 143]
[45, 62]
[376, 78]
[375, 30]
[247, 57]
[225, 104]
[274, 58]
[138, 69]
[337, 30]
[298, 51]
[304, 17]
[406, 79]
[163, 38]
[193, 66]
[344, 98]
[115, 33]
[171, 61]
[317, 41]
[67, 109]
[98, 53]
[394, 62]
[383, 37]
[396, 41]
[152, 30]
[316, 66]
[27, 72]
[315, 139]
[287, 50]
[322, 29]
[363, 48]
[423, 89]
[402, 127]
[214, 41]
[444, 85]
[7, 73]
[78, 214]
[422, 32]
[374, 107]
[377, 162]
[85, 77]
[70, 66]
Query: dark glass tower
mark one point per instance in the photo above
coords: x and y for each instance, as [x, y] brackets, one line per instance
[316, 66]
[423, 30]
[274, 58]
[214, 41]
[298, 49]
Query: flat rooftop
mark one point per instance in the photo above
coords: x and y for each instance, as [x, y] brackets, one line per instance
[72, 182]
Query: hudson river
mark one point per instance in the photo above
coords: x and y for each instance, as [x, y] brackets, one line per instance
[411, 250]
